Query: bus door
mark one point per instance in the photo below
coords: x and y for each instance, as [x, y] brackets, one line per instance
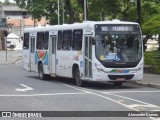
[52, 55]
[88, 57]
[26, 52]
[32, 54]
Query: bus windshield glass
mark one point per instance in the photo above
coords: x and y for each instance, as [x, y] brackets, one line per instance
[118, 47]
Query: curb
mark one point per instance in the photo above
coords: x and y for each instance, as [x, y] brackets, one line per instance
[152, 85]
[18, 60]
[13, 61]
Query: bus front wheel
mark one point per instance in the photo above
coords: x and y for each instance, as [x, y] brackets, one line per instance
[78, 80]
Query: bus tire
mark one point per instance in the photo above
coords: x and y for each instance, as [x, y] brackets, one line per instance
[118, 83]
[77, 78]
[40, 72]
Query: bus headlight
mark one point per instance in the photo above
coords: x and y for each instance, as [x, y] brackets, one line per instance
[99, 68]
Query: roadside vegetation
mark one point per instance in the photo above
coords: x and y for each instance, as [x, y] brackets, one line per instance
[152, 61]
[71, 11]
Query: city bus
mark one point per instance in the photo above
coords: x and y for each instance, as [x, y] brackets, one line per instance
[77, 51]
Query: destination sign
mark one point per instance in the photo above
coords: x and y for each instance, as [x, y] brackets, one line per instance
[118, 28]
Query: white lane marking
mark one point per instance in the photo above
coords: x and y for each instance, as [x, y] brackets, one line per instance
[134, 100]
[98, 95]
[85, 89]
[132, 92]
[26, 88]
[88, 90]
[50, 94]
[140, 105]
[125, 105]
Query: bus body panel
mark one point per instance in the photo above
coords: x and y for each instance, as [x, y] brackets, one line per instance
[65, 62]
[102, 73]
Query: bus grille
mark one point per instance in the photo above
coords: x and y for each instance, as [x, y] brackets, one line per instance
[115, 77]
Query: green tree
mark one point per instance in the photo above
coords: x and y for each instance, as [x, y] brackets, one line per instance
[150, 18]
[49, 9]
[152, 27]
[97, 10]
[110, 9]
[41, 8]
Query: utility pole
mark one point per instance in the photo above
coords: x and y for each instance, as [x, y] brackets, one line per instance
[63, 10]
[139, 18]
[58, 12]
[85, 13]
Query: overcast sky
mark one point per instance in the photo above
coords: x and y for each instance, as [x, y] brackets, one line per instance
[9, 0]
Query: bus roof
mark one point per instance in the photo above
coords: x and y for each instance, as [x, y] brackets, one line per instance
[83, 25]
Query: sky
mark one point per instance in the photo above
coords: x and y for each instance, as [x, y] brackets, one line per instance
[9, 0]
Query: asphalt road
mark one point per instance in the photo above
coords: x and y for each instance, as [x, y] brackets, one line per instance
[23, 91]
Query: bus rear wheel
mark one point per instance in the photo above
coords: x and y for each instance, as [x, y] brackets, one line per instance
[77, 78]
[42, 76]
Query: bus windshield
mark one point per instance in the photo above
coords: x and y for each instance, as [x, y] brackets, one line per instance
[118, 48]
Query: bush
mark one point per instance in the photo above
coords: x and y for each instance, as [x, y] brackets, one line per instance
[152, 58]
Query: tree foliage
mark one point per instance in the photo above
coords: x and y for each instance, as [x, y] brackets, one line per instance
[40, 8]
[96, 10]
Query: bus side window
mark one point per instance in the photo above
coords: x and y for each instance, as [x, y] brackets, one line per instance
[26, 41]
[77, 40]
[40, 40]
[46, 40]
[59, 43]
[67, 38]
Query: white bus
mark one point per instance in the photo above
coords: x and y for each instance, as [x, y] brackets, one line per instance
[77, 51]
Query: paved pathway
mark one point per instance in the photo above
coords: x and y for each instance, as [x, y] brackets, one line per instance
[12, 56]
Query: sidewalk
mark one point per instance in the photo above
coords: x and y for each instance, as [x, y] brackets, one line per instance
[150, 80]
[12, 56]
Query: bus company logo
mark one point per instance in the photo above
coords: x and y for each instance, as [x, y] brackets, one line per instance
[119, 71]
[41, 55]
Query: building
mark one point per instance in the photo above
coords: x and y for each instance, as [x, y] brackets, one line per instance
[16, 19]
[11, 11]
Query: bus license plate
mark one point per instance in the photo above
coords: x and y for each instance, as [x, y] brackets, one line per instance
[120, 79]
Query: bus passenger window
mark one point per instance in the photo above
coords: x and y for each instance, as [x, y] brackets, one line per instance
[77, 40]
[59, 43]
[26, 41]
[67, 38]
[40, 41]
